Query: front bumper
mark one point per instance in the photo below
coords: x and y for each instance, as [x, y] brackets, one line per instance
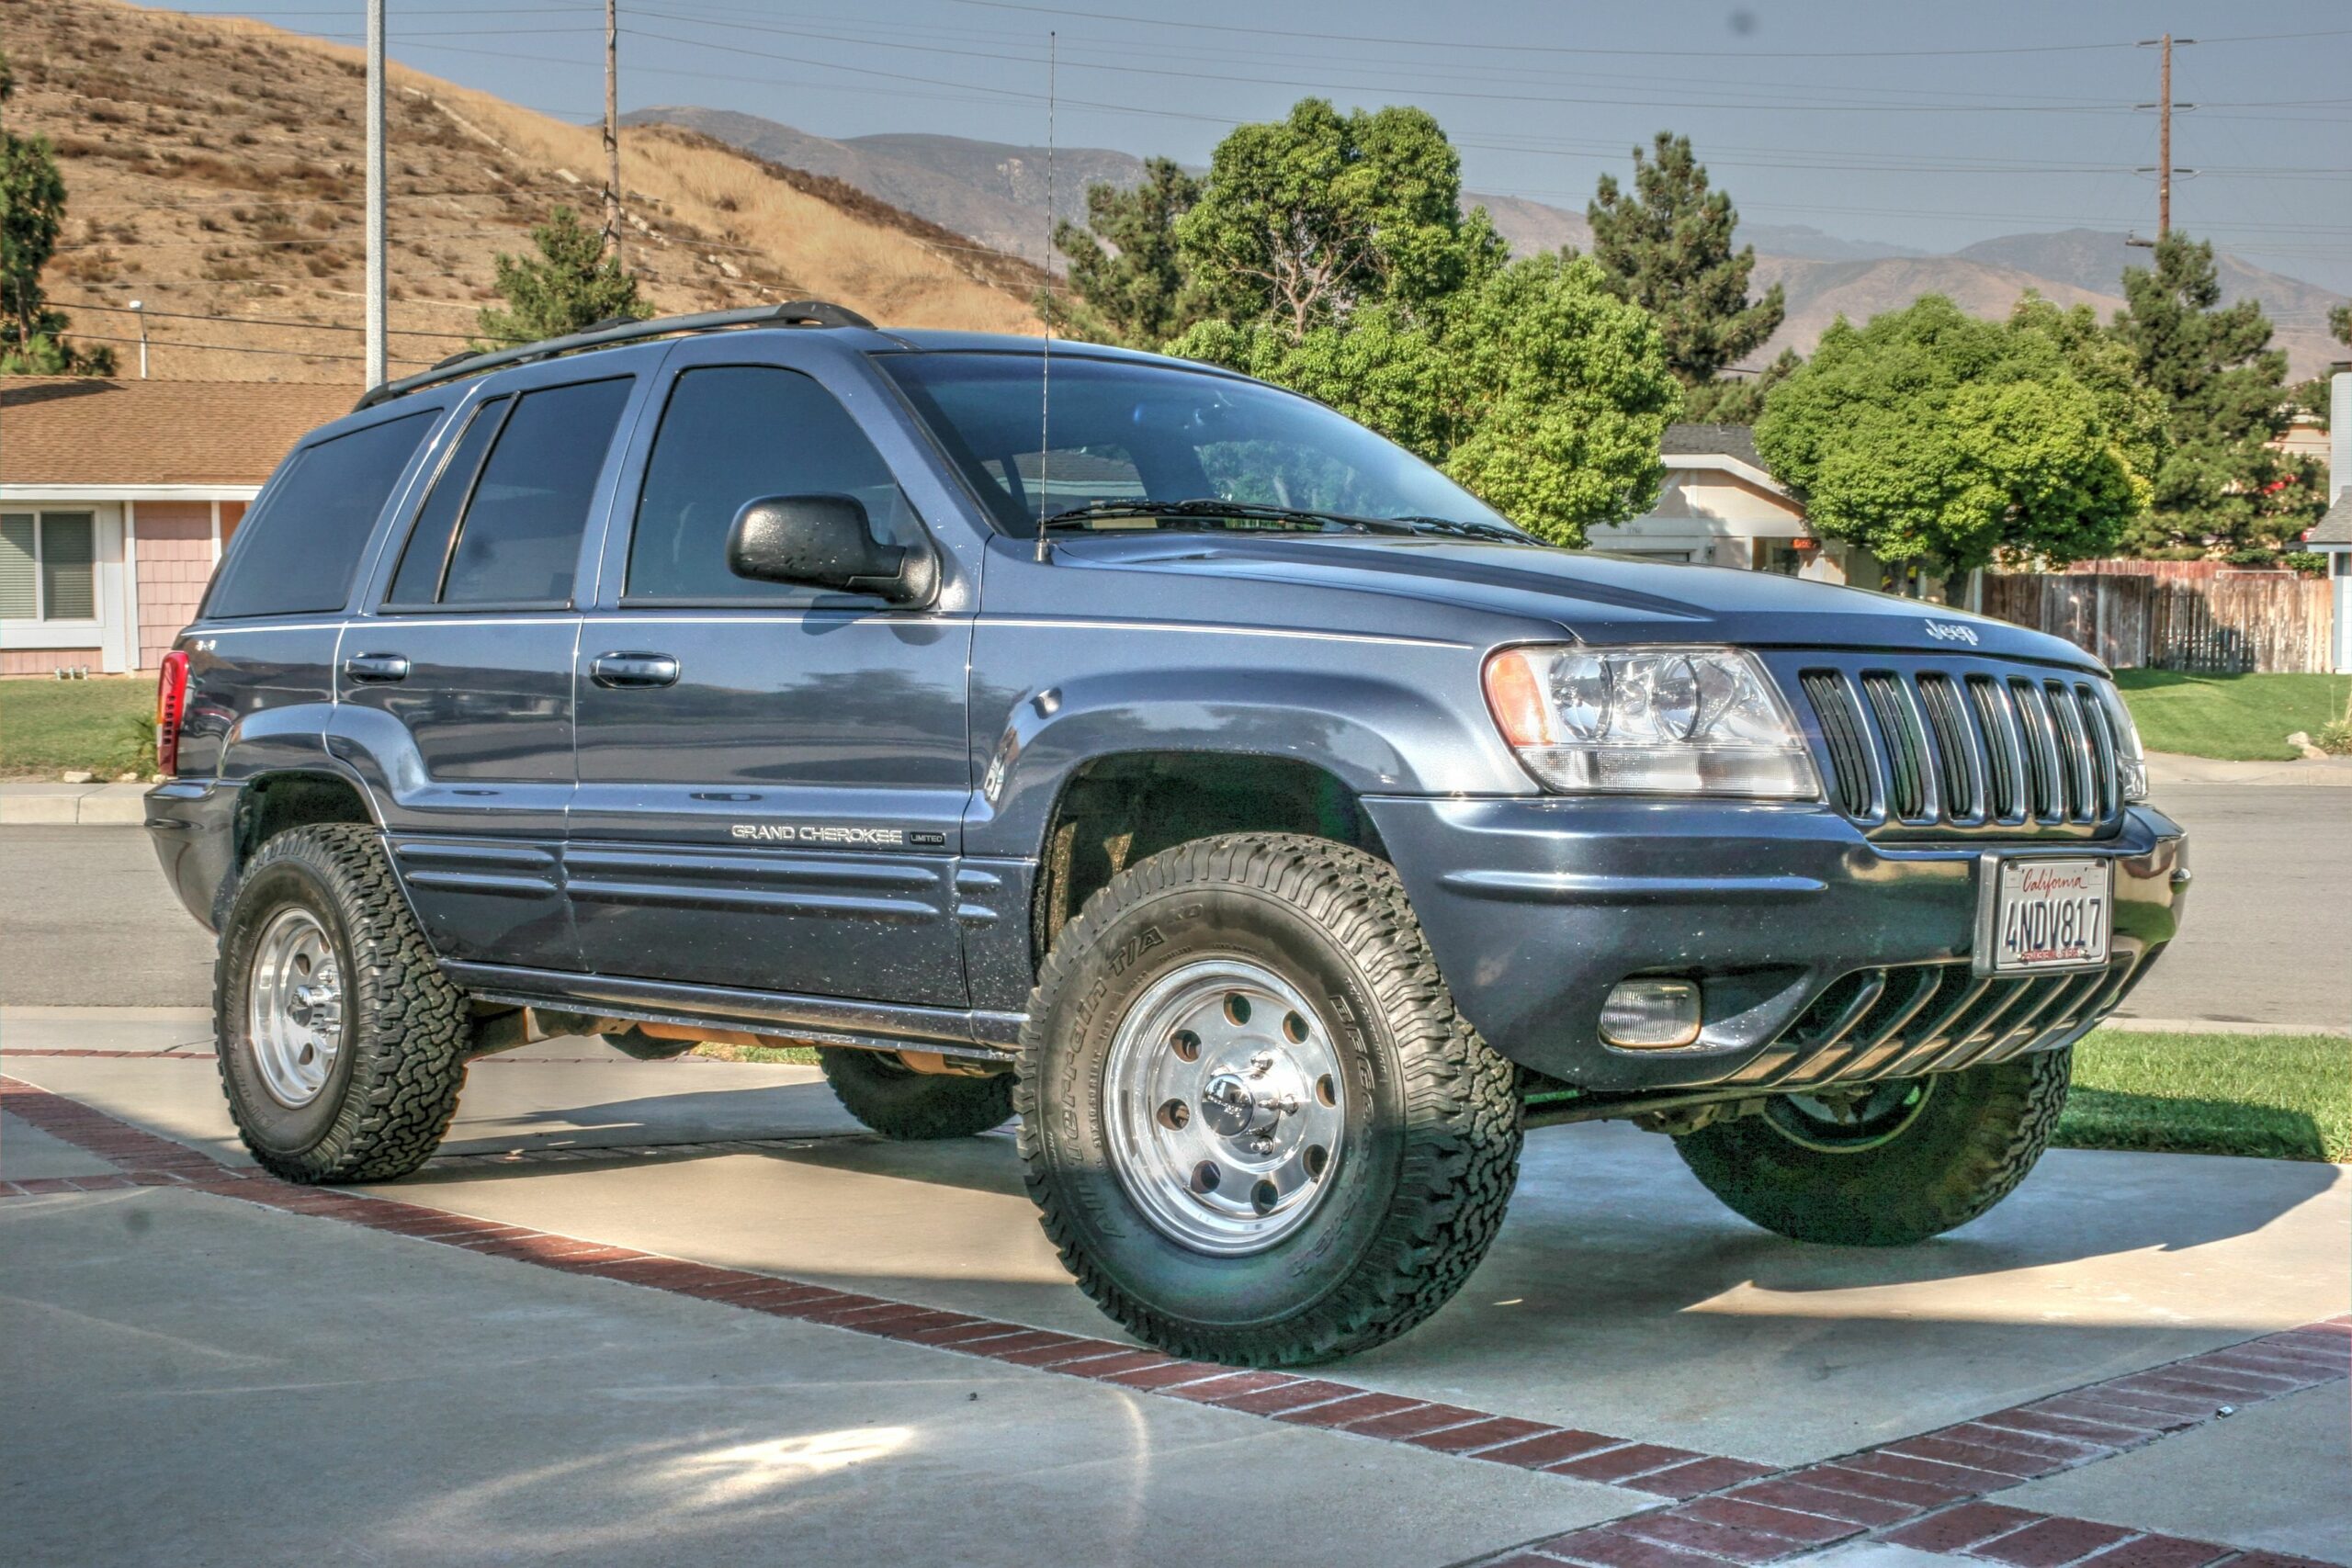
[1822, 956]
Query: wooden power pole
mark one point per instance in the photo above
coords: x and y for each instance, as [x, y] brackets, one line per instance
[613, 128]
[2164, 107]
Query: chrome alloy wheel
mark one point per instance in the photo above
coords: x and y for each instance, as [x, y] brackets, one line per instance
[294, 1007]
[1223, 1105]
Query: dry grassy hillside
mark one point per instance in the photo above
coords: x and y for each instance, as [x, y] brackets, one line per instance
[214, 168]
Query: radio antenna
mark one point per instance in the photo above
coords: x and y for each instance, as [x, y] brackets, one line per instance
[1045, 360]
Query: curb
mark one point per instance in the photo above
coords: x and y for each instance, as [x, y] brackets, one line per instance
[73, 806]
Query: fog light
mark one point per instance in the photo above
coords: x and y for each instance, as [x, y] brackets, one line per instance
[1651, 1015]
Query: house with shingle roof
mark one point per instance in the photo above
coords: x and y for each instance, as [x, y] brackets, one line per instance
[1721, 506]
[116, 497]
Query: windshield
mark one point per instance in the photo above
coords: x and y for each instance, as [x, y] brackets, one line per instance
[1120, 431]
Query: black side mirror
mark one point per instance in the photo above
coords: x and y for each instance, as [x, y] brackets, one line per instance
[823, 540]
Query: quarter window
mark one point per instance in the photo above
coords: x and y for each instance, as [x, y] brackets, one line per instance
[48, 565]
[733, 434]
[297, 553]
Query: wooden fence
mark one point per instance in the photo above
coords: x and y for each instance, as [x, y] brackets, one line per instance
[2269, 622]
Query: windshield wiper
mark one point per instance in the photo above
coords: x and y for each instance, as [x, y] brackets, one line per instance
[1465, 528]
[1210, 508]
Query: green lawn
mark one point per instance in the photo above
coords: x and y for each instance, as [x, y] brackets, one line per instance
[104, 724]
[2244, 718]
[2275, 1096]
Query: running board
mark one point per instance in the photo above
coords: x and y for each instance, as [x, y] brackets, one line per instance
[823, 1021]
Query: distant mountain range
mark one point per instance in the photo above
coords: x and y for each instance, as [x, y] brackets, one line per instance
[995, 193]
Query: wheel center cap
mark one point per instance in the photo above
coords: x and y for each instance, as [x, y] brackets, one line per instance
[1228, 1107]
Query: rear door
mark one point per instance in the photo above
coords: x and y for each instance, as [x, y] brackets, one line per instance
[456, 687]
[772, 778]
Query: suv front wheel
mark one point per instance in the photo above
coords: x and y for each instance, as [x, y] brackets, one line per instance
[342, 1046]
[1252, 1122]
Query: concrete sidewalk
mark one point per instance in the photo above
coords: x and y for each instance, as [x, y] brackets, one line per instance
[164, 1347]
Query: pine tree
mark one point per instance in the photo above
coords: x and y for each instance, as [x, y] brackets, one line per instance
[1666, 247]
[1134, 291]
[2220, 485]
[32, 211]
[569, 286]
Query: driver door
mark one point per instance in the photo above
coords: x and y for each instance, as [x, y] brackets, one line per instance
[772, 777]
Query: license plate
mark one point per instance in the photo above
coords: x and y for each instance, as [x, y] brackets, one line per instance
[2039, 914]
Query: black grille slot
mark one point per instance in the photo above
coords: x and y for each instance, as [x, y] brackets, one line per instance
[2102, 733]
[1955, 763]
[2074, 749]
[2001, 760]
[1842, 728]
[2044, 794]
[1906, 749]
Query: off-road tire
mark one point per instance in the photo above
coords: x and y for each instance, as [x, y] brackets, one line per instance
[1970, 1144]
[898, 1102]
[1431, 1145]
[393, 1088]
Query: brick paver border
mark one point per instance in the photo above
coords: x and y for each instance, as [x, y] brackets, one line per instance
[1926, 1492]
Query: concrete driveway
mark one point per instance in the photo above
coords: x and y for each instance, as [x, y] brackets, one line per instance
[686, 1312]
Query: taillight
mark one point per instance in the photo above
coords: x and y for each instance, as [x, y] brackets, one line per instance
[171, 700]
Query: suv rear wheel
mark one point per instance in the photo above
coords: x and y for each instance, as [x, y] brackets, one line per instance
[341, 1044]
[1252, 1122]
[1888, 1163]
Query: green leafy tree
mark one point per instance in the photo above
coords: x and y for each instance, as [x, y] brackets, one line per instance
[1304, 222]
[2219, 484]
[32, 211]
[2134, 413]
[1737, 399]
[1536, 388]
[1124, 267]
[1666, 247]
[1930, 436]
[572, 284]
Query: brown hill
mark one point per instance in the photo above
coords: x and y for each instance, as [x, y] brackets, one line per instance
[213, 169]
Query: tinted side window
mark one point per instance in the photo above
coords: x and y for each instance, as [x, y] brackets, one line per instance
[520, 535]
[297, 553]
[418, 581]
[733, 434]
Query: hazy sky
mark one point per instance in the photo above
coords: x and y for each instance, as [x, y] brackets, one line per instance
[1927, 125]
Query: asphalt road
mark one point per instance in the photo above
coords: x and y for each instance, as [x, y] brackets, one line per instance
[85, 920]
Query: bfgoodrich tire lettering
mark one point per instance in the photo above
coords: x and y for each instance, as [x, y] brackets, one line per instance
[1426, 1156]
[1972, 1141]
[388, 1096]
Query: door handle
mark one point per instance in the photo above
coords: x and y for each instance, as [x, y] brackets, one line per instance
[379, 669]
[633, 670]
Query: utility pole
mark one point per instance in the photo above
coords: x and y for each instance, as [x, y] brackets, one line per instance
[2164, 107]
[613, 129]
[376, 367]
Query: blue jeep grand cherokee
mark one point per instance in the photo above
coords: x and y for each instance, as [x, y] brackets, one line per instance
[1163, 759]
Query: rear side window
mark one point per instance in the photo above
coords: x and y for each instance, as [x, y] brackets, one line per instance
[519, 538]
[733, 434]
[299, 552]
[418, 581]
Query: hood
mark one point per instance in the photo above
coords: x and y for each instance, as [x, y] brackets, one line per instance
[1597, 597]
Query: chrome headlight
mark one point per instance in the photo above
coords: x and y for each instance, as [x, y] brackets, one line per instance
[1649, 721]
[2131, 758]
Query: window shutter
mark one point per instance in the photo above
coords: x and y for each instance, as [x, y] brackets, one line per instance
[69, 566]
[17, 601]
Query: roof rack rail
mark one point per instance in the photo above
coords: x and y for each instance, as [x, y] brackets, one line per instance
[618, 330]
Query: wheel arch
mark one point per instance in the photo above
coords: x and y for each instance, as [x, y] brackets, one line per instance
[1120, 807]
[278, 800]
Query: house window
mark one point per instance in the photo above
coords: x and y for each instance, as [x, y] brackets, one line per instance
[48, 565]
